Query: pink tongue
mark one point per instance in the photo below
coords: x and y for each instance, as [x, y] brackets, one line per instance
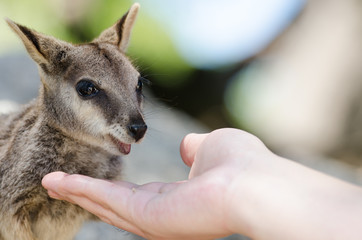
[125, 148]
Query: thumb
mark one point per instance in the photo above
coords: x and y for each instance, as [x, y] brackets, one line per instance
[189, 146]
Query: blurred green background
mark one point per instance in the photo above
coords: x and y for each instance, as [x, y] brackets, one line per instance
[288, 71]
[200, 91]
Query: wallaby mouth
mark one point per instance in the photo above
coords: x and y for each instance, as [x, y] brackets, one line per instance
[124, 148]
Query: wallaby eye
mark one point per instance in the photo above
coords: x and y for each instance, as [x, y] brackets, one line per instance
[139, 86]
[86, 89]
[141, 81]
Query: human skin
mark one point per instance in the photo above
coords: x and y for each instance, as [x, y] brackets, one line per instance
[235, 185]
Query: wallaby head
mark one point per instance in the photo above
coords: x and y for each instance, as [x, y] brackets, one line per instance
[90, 91]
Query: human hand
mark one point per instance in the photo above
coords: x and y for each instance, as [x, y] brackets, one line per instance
[197, 208]
[236, 185]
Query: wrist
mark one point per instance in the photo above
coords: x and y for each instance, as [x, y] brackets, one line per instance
[285, 200]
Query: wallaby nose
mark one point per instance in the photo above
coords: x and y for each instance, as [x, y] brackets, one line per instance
[137, 130]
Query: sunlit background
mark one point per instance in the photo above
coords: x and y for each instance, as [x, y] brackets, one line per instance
[289, 71]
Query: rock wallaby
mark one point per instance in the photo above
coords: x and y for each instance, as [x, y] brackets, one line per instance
[87, 114]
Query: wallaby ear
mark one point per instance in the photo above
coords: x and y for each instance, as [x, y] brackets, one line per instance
[30, 39]
[120, 33]
[41, 48]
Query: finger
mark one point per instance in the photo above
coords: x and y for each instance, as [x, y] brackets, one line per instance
[189, 146]
[170, 186]
[105, 193]
[105, 214]
[76, 189]
[54, 195]
[150, 187]
[50, 181]
[62, 184]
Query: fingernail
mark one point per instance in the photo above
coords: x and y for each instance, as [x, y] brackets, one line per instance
[51, 180]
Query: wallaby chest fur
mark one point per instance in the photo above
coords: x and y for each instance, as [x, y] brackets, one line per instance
[31, 148]
[87, 114]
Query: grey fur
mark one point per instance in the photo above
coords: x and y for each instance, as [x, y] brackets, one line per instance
[61, 131]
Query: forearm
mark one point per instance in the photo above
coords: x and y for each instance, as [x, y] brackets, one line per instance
[284, 200]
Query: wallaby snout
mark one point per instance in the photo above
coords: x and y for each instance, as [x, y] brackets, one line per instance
[137, 128]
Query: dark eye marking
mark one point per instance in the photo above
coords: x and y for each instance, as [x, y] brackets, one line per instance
[141, 82]
[139, 86]
[86, 89]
